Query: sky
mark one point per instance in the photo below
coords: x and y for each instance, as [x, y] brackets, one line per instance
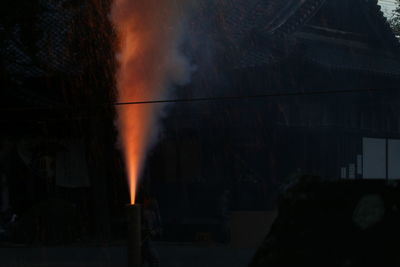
[387, 6]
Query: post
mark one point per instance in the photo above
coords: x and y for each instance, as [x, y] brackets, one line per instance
[134, 236]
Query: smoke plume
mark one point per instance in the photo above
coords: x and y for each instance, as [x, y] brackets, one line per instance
[150, 35]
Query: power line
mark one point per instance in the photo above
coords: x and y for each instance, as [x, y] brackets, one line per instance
[71, 117]
[276, 94]
[205, 99]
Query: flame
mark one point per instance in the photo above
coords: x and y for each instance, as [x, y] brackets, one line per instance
[134, 126]
[148, 34]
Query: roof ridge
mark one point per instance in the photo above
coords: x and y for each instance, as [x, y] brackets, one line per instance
[304, 12]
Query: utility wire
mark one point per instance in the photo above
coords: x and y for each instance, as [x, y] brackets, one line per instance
[276, 94]
[222, 98]
[205, 99]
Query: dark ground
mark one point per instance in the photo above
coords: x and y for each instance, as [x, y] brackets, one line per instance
[171, 255]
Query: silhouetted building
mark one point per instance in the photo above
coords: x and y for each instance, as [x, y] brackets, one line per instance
[310, 84]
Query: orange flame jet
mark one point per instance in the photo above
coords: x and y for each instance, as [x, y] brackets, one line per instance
[148, 34]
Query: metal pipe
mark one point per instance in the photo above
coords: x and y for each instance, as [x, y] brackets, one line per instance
[134, 236]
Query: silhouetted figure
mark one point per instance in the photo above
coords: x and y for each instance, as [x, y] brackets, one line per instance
[151, 229]
[224, 216]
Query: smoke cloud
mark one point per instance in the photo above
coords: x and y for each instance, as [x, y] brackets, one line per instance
[150, 34]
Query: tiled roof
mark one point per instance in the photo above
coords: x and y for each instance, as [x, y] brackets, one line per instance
[347, 58]
[250, 26]
[248, 29]
[252, 29]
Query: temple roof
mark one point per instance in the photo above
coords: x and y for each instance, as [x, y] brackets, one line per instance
[251, 32]
[261, 32]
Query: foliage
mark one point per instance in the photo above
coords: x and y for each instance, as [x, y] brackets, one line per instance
[395, 19]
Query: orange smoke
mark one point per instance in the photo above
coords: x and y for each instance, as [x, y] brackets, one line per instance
[149, 34]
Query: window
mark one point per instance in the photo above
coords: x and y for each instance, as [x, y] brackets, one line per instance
[381, 158]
